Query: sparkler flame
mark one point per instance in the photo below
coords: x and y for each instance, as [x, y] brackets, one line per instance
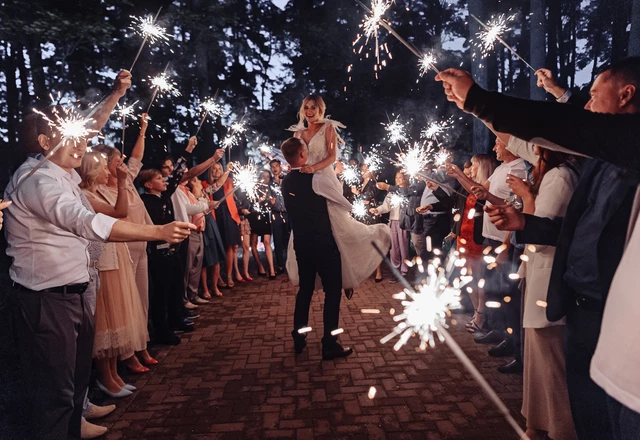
[396, 131]
[246, 178]
[350, 175]
[147, 28]
[488, 36]
[126, 111]
[71, 126]
[371, 22]
[415, 159]
[397, 201]
[164, 85]
[211, 107]
[359, 209]
[426, 63]
[441, 157]
[373, 161]
[425, 311]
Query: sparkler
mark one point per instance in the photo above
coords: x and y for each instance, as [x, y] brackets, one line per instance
[359, 210]
[493, 31]
[437, 129]
[425, 314]
[397, 200]
[397, 131]
[210, 107]
[441, 158]
[371, 24]
[427, 61]
[125, 111]
[351, 175]
[162, 84]
[415, 159]
[146, 26]
[373, 161]
[245, 177]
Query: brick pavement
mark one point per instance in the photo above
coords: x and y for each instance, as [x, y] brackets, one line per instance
[236, 377]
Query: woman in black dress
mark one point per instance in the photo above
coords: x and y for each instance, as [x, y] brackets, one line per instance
[260, 221]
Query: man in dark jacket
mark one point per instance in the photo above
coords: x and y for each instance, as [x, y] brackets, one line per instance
[316, 252]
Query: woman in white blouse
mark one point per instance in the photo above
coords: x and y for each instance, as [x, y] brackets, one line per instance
[545, 397]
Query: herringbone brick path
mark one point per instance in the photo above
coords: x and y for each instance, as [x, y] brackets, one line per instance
[236, 377]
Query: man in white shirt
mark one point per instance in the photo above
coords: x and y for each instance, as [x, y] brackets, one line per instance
[48, 229]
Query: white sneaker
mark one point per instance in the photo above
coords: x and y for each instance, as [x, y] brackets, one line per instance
[89, 430]
[200, 301]
[190, 306]
[97, 412]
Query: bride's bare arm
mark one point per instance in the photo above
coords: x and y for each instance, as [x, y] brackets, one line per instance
[331, 139]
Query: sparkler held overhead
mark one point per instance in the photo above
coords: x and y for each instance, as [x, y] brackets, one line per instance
[210, 107]
[493, 31]
[162, 84]
[150, 31]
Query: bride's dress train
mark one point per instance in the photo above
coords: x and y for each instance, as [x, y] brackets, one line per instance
[358, 256]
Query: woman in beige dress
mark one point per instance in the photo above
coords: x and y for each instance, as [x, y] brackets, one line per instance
[138, 215]
[120, 323]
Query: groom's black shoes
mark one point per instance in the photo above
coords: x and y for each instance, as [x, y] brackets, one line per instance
[349, 293]
[335, 351]
[299, 344]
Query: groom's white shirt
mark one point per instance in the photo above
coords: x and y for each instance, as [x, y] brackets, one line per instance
[324, 187]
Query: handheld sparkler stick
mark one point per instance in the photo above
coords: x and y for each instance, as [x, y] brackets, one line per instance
[499, 38]
[459, 353]
[209, 107]
[157, 87]
[144, 40]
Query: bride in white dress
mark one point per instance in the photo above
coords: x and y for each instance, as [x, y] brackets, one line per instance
[359, 258]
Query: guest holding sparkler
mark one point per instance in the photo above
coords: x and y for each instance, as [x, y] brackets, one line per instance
[227, 218]
[244, 209]
[137, 214]
[120, 325]
[394, 205]
[597, 218]
[279, 219]
[54, 325]
[368, 193]
[165, 268]
[259, 219]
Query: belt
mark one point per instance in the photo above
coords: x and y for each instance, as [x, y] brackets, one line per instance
[74, 289]
[435, 213]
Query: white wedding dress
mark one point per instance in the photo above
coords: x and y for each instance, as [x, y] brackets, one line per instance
[358, 256]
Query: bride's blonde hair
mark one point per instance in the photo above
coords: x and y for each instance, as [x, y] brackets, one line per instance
[322, 107]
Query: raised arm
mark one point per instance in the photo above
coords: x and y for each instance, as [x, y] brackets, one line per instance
[204, 166]
[120, 86]
[121, 208]
[138, 148]
[179, 170]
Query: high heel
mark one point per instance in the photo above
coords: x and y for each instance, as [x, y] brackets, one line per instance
[128, 386]
[150, 361]
[248, 278]
[137, 370]
[239, 280]
[122, 393]
[230, 283]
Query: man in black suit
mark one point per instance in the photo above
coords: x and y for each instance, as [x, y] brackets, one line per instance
[316, 251]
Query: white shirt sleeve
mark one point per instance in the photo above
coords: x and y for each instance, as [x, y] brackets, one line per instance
[197, 208]
[385, 207]
[49, 200]
[523, 149]
[323, 187]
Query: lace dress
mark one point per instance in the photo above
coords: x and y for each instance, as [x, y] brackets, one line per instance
[359, 258]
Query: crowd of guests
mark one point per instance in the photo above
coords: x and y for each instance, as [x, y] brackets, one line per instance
[543, 231]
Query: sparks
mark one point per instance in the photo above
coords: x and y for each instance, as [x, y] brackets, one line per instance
[211, 107]
[425, 311]
[441, 158]
[351, 175]
[437, 130]
[397, 201]
[426, 63]
[493, 31]
[164, 85]
[246, 178]
[71, 125]
[359, 209]
[373, 161]
[397, 131]
[148, 29]
[238, 127]
[126, 111]
[415, 159]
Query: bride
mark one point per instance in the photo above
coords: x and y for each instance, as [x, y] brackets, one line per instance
[359, 258]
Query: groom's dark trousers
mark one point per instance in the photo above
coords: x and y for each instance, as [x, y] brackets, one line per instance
[316, 253]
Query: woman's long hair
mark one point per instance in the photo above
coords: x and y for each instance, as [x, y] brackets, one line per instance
[92, 165]
[486, 165]
[548, 160]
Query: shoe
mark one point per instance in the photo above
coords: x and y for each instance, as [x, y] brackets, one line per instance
[97, 412]
[503, 349]
[299, 344]
[169, 339]
[192, 314]
[128, 386]
[190, 306]
[248, 278]
[393, 281]
[349, 293]
[262, 274]
[493, 337]
[188, 322]
[336, 351]
[272, 277]
[199, 301]
[513, 367]
[185, 328]
[150, 361]
[89, 430]
[230, 283]
[137, 370]
[122, 393]
[239, 280]
[379, 280]
[472, 327]
[206, 295]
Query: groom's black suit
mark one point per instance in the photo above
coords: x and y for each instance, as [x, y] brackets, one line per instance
[316, 253]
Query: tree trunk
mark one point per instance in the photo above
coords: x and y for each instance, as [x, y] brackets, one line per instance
[620, 11]
[37, 70]
[25, 96]
[634, 35]
[537, 46]
[481, 134]
[12, 93]
[552, 49]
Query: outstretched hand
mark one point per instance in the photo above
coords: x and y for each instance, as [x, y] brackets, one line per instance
[548, 82]
[505, 217]
[193, 141]
[456, 83]
[3, 205]
[122, 83]
[175, 232]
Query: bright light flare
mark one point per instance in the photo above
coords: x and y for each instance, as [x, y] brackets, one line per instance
[351, 175]
[147, 28]
[211, 107]
[396, 131]
[126, 111]
[246, 177]
[398, 201]
[488, 36]
[427, 62]
[415, 159]
[441, 158]
[70, 125]
[164, 85]
[359, 210]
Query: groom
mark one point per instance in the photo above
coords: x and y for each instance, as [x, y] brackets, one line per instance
[316, 249]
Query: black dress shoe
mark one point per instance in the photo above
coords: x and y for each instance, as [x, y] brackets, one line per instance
[191, 314]
[493, 337]
[379, 280]
[299, 344]
[513, 367]
[272, 277]
[349, 293]
[335, 351]
[503, 349]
